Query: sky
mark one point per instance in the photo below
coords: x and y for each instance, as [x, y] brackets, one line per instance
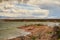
[35, 9]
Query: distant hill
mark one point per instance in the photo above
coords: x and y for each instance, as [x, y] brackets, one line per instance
[42, 20]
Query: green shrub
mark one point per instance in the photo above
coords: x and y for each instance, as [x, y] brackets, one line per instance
[33, 37]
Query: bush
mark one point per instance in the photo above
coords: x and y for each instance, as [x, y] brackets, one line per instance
[57, 31]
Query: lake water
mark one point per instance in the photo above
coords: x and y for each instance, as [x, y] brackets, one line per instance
[7, 29]
[18, 24]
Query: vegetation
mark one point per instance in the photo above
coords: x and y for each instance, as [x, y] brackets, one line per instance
[49, 32]
[57, 32]
[33, 37]
[39, 24]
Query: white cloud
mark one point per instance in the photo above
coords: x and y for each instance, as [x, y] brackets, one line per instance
[51, 5]
[27, 13]
[52, 17]
[39, 2]
[33, 7]
[21, 11]
[30, 12]
[9, 14]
